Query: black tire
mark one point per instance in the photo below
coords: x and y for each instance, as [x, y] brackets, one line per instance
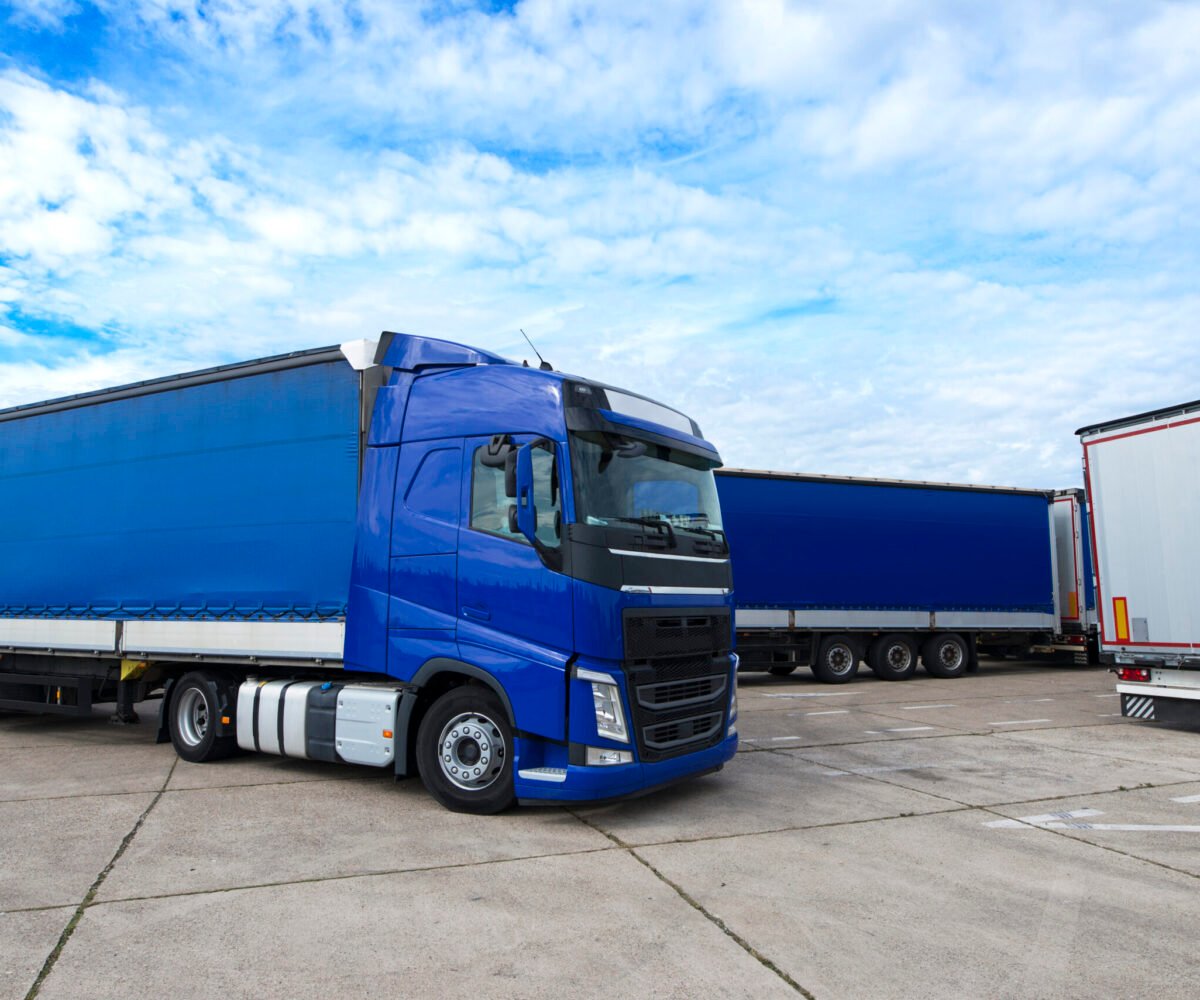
[837, 660]
[197, 702]
[945, 655]
[464, 728]
[782, 669]
[893, 657]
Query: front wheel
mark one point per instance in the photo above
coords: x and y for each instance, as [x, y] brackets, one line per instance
[465, 751]
[837, 660]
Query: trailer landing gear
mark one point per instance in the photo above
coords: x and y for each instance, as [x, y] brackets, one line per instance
[128, 694]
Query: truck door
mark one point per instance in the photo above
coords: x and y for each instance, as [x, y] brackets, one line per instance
[514, 612]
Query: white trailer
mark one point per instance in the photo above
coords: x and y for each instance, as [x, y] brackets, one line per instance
[1077, 626]
[1142, 474]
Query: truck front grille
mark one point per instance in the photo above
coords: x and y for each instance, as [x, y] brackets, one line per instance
[677, 664]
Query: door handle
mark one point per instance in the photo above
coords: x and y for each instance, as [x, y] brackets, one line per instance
[479, 614]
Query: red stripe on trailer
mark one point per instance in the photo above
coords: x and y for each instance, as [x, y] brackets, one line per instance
[1145, 430]
[1171, 645]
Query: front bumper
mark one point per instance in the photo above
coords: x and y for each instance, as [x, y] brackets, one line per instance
[589, 784]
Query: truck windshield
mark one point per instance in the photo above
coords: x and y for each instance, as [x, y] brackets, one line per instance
[625, 480]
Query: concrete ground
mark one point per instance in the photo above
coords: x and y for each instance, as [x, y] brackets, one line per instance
[1001, 835]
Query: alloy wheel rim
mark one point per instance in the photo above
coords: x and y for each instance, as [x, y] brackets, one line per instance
[471, 751]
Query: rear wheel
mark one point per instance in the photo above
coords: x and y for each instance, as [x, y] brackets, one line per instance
[465, 751]
[893, 657]
[196, 705]
[945, 655]
[837, 660]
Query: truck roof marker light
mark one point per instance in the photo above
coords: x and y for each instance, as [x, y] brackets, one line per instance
[387, 734]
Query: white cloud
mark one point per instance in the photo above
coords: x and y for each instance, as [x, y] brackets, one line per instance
[898, 239]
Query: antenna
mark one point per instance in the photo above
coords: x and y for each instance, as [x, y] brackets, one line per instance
[545, 365]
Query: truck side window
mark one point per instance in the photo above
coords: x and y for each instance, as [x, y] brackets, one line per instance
[489, 505]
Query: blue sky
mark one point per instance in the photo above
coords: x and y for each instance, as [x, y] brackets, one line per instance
[923, 240]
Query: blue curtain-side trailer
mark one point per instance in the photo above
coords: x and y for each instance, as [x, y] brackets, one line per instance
[830, 571]
[405, 553]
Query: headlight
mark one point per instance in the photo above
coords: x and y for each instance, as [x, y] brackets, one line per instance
[606, 700]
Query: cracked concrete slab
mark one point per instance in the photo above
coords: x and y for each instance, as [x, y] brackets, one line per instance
[267, 769]
[826, 725]
[1143, 742]
[226, 837]
[757, 792]
[25, 941]
[53, 849]
[1157, 824]
[989, 769]
[941, 906]
[23, 732]
[1006, 714]
[592, 925]
[56, 772]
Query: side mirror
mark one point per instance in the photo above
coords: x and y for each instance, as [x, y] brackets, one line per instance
[523, 481]
[510, 474]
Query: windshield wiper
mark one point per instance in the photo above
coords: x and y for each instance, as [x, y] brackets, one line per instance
[653, 522]
[716, 534]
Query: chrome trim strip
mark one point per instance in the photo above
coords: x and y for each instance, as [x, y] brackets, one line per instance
[543, 774]
[663, 555]
[631, 588]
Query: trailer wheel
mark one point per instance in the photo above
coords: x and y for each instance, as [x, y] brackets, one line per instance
[196, 704]
[893, 657]
[945, 655]
[837, 660]
[465, 751]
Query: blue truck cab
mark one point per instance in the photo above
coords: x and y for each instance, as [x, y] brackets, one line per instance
[535, 605]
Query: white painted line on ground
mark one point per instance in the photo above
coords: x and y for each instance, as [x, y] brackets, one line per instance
[1042, 820]
[1113, 695]
[1108, 715]
[898, 729]
[1126, 827]
[1041, 699]
[831, 711]
[889, 768]
[1068, 821]
[1187, 798]
[1018, 722]
[913, 708]
[811, 694]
